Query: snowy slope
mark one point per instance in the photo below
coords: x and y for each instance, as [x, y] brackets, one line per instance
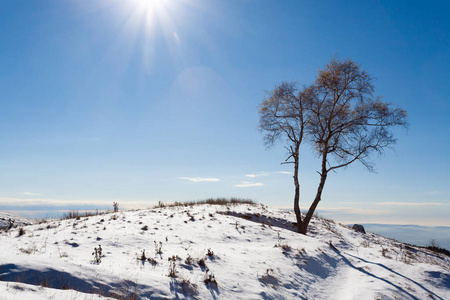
[18, 220]
[249, 252]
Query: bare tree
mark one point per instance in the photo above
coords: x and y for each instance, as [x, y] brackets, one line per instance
[283, 114]
[347, 122]
[343, 120]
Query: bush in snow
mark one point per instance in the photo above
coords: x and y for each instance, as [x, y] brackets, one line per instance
[158, 247]
[97, 254]
[201, 262]
[115, 206]
[21, 231]
[210, 278]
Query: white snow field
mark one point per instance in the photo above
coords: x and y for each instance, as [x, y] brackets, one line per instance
[207, 251]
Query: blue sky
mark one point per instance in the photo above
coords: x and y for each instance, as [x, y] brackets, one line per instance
[143, 101]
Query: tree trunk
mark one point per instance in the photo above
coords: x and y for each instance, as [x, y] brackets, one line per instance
[312, 208]
[297, 196]
[297, 188]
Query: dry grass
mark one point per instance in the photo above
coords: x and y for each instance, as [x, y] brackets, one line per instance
[211, 201]
[75, 214]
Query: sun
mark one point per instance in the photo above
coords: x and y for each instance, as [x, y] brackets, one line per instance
[153, 15]
[152, 6]
[144, 30]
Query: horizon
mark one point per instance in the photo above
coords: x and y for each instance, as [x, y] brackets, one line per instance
[138, 102]
[48, 212]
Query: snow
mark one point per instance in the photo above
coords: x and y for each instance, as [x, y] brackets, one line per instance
[18, 220]
[254, 253]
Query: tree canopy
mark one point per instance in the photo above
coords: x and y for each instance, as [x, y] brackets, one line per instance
[338, 114]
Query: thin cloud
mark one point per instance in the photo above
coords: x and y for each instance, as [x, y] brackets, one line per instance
[257, 175]
[248, 184]
[32, 194]
[268, 174]
[200, 179]
[412, 203]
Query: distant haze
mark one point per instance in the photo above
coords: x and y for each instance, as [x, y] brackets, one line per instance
[413, 234]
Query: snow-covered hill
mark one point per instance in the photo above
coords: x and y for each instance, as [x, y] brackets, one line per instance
[212, 252]
[7, 217]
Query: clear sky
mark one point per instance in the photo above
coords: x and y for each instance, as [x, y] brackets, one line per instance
[142, 101]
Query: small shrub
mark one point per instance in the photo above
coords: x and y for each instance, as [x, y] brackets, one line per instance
[142, 257]
[44, 283]
[284, 246]
[189, 287]
[172, 268]
[438, 250]
[434, 243]
[210, 279]
[210, 253]
[115, 207]
[384, 252]
[10, 224]
[152, 261]
[188, 260]
[269, 278]
[30, 250]
[63, 254]
[158, 247]
[97, 254]
[365, 244]
[201, 262]
[174, 258]
[331, 245]
[21, 231]
[406, 257]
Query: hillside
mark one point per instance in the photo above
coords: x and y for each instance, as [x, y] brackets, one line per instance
[239, 251]
[5, 218]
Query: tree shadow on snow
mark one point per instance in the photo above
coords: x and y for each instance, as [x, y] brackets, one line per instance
[56, 279]
[399, 288]
[176, 289]
[442, 279]
[213, 289]
[262, 219]
[321, 265]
